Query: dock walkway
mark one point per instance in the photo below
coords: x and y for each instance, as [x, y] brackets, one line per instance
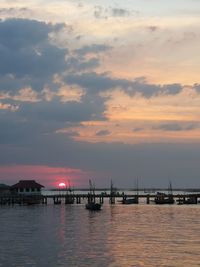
[77, 198]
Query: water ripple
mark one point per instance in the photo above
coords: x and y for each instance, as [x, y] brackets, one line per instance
[118, 236]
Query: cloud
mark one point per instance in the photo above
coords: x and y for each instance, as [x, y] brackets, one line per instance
[96, 83]
[76, 64]
[72, 111]
[68, 94]
[24, 95]
[30, 59]
[197, 88]
[101, 12]
[15, 11]
[30, 122]
[29, 63]
[34, 105]
[80, 60]
[138, 129]
[176, 127]
[94, 48]
[153, 28]
[170, 127]
[5, 106]
[149, 90]
[172, 89]
[103, 133]
[192, 126]
[154, 163]
[27, 55]
[120, 12]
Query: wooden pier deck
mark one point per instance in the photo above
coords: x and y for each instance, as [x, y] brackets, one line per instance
[77, 198]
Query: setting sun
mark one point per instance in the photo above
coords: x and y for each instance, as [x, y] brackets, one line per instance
[62, 185]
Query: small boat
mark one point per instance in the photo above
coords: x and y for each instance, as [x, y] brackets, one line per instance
[129, 201]
[93, 206]
[133, 200]
[163, 198]
[187, 201]
[69, 198]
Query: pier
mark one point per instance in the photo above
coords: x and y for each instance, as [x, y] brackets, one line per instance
[77, 198]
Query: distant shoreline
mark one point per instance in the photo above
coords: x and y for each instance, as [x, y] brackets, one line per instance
[129, 189]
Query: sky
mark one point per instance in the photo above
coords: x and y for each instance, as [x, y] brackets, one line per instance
[100, 90]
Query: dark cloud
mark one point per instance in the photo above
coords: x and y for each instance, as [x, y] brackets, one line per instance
[28, 58]
[19, 129]
[175, 127]
[149, 90]
[31, 121]
[154, 164]
[14, 11]
[103, 133]
[80, 64]
[192, 126]
[172, 89]
[138, 129]
[88, 109]
[25, 49]
[17, 34]
[120, 12]
[197, 87]
[153, 28]
[94, 48]
[170, 127]
[95, 83]
[10, 83]
[104, 13]
[99, 12]
[78, 37]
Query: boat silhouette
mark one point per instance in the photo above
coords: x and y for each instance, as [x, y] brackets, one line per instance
[92, 205]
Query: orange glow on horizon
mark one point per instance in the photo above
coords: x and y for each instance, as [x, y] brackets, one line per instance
[48, 176]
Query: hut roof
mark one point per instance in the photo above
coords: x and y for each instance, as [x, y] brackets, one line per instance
[4, 186]
[27, 184]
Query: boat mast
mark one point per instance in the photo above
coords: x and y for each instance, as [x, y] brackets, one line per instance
[170, 188]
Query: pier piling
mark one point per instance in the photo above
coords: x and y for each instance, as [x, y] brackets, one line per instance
[148, 199]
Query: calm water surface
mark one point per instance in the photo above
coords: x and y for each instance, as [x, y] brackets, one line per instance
[117, 236]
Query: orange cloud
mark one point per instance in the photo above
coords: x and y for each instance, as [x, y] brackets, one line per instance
[138, 120]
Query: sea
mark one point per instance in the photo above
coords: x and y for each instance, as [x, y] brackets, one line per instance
[117, 236]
